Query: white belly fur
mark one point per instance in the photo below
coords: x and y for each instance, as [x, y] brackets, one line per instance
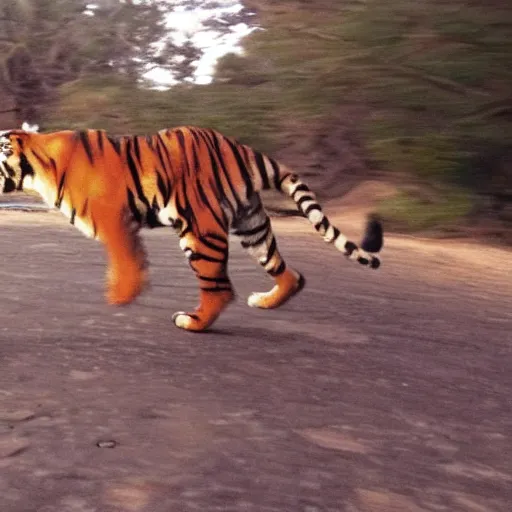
[48, 194]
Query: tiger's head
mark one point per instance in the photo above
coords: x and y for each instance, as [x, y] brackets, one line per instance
[13, 164]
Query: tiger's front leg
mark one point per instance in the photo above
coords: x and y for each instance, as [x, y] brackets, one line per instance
[207, 256]
[127, 265]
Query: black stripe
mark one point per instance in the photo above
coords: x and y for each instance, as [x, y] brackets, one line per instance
[200, 256]
[26, 170]
[214, 279]
[194, 134]
[260, 162]
[136, 146]
[312, 207]
[324, 223]
[84, 139]
[219, 193]
[278, 180]
[152, 220]
[195, 159]
[161, 145]
[215, 154]
[39, 158]
[350, 247]
[300, 188]
[164, 189]
[221, 222]
[73, 215]
[9, 185]
[253, 231]
[185, 212]
[212, 246]
[211, 137]
[279, 270]
[304, 199]
[217, 237]
[271, 251]
[215, 169]
[85, 207]
[115, 143]
[176, 224]
[216, 289]
[246, 244]
[167, 168]
[181, 141]
[242, 167]
[60, 190]
[133, 207]
[247, 151]
[99, 136]
[135, 174]
[9, 169]
[160, 156]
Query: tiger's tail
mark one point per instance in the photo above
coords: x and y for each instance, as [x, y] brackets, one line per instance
[274, 175]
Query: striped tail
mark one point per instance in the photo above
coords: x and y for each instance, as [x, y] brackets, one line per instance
[305, 200]
[267, 173]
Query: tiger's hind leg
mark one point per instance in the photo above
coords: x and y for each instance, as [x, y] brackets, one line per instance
[256, 235]
[208, 256]
[127, 267]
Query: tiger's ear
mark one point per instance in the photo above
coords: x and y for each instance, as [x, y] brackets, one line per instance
[27, 127]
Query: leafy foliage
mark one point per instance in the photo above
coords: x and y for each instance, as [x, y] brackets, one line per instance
[48, 43]
[432, 79]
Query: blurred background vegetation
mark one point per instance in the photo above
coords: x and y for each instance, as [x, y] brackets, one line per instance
[417, 94]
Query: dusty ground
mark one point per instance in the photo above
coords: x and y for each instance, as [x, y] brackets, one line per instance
[372, 391]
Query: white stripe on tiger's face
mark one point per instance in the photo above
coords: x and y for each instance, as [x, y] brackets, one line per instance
[5, 146]
[8, 174]
[5, 141]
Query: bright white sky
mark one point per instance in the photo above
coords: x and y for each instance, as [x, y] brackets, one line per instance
[190, 24]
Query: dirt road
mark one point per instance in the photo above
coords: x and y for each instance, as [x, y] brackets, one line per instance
[372, 391]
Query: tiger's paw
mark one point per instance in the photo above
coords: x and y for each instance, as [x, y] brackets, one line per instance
[188, 321]
[125, 290]
[211, 306]
[287, 286]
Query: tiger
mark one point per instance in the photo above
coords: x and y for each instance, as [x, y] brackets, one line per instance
[203, 184]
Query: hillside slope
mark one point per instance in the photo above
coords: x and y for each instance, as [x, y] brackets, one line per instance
[416, 94]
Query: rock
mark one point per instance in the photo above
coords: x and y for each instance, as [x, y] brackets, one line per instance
[10, 446]
[384, 501]
[333, 439]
